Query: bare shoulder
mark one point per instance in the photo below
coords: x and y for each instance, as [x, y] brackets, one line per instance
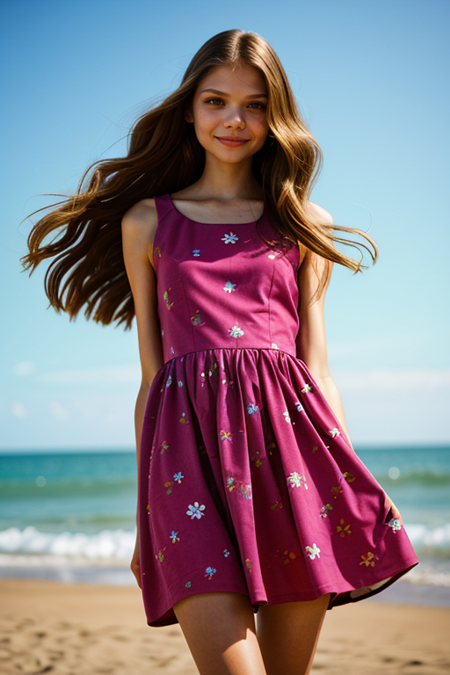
[142, 217]
[139, 225]
[320, 213]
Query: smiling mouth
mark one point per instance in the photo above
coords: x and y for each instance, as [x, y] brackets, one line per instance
[232, 140]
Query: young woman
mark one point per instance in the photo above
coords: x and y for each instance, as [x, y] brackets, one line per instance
[250, 495]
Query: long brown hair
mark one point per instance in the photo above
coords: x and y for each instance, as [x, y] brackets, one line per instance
[164, 156]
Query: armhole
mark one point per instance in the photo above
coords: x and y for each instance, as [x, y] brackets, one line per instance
[163, 206]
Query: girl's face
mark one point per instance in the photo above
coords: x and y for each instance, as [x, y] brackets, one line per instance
[229, 113]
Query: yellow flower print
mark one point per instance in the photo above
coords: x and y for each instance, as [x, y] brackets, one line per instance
[226, 436]
[148, 509]
[257, 459]
[369, 560]
[343, 529]
[169, 305]
[336, 490]
[160, 555]
[164, 446]
[248, 565]
[157, 251]
[276, 505]
[349, 477]
[183, 419]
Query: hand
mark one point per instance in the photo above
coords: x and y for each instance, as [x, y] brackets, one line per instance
[135, 564]
[390, 504]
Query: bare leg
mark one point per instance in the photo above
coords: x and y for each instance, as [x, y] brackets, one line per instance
[221, 635]
[288, 635]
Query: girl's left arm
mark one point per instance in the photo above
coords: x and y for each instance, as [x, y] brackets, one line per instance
[311, 339]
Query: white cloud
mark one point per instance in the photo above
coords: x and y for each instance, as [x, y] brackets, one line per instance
[58, 411]
[23, 368]
[18, 410]
[125, 374]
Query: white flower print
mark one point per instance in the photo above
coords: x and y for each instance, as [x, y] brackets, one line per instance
[274, 345]
[334, 432]
[299, 406]
[296, 480]
[195, 511]
[236, 331]
[230, 238]
[229, 287]
[395, 524]
[306, 389]
[313, 551]
[286, 417]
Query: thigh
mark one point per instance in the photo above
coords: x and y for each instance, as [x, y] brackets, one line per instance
[220, 631]
[288, 634]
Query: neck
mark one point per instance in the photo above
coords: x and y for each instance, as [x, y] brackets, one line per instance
[226, 181]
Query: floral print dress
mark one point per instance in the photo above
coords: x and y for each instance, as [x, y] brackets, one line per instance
[246, 481]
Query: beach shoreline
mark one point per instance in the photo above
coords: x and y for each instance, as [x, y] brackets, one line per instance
[86, 628]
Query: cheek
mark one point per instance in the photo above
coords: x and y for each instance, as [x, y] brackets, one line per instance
[205, 120]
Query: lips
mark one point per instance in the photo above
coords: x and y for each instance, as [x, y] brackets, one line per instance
[232, 140]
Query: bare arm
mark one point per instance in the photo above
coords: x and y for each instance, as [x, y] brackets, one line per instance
[311, 339]
[138, 229]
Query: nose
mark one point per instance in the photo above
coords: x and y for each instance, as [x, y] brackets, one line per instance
[234, 119]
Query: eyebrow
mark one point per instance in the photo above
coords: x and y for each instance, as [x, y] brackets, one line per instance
[222, 93]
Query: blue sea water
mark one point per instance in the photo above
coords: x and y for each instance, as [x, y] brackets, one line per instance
[72, 515]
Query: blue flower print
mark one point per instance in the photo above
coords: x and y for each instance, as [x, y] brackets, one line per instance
[196, 511]
[230, 238]
[229, 287]
[209, 572]
[173, 536]
[226, 553]
[169, 381]
[196, 252]
[252, 408]
[178, 476]
[188, 584]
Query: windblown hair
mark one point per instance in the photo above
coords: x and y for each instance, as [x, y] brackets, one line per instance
[164, 156]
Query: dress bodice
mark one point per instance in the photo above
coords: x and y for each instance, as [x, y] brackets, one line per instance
[222, 285]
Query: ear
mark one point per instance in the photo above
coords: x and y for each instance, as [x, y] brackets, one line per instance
[188, 115]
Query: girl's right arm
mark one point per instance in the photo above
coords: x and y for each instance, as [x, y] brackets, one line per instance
[138, 230]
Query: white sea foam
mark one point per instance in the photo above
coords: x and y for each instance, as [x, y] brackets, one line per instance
[107, 545]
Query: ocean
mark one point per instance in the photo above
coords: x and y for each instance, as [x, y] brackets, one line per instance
[70, 516]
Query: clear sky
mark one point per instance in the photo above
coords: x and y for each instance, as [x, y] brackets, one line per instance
[371, 78]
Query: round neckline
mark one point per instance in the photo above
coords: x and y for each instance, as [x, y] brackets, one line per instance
[198, 222]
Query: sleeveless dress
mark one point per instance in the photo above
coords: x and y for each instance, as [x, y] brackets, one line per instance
[246, 481]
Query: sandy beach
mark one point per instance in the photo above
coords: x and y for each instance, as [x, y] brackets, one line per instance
[77, 629]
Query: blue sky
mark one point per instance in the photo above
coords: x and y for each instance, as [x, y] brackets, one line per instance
[371, 79]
